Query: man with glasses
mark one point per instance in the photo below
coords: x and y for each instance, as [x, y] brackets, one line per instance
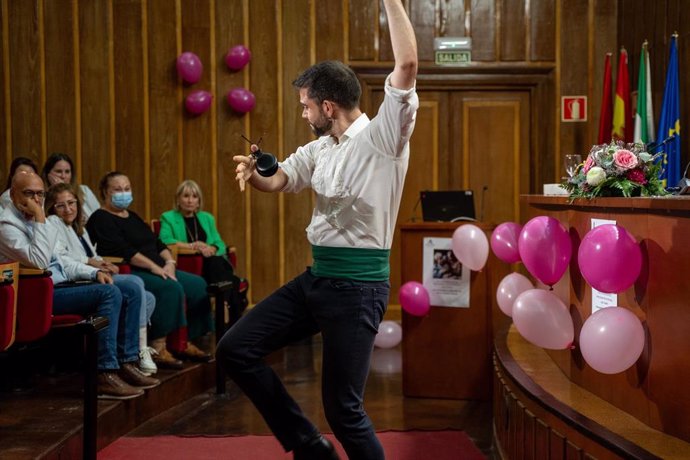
[27, 237]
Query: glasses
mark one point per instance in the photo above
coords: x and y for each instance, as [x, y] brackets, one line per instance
[34, 193]
[63, 206]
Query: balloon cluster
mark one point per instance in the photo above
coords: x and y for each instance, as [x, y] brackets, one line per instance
[610, 260]
[190, 68]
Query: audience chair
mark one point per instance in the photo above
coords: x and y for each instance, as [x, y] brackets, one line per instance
[8, 303]
[35, 320]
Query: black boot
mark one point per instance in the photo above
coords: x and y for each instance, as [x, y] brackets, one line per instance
[317, 448]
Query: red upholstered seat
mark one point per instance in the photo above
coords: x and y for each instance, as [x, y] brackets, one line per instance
[7, 313]
[34, 305]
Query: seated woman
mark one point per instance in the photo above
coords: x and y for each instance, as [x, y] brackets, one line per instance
[64, 211]
[19, 164]
[60, 168]
[118, 232]
[189, 227]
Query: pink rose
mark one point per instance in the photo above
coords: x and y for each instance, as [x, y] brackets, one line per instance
[589, 162]
[637, 175]
[625, 159]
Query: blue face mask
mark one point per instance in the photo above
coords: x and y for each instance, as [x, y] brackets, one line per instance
[121, 200]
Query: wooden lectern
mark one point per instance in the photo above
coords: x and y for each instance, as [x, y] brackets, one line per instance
[447, 354]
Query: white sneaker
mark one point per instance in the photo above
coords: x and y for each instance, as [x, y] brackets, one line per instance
[146, 364]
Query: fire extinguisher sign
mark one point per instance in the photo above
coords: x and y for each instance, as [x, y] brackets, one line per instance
[573, 108]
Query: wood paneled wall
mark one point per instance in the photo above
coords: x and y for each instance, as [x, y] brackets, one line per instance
[97, 80]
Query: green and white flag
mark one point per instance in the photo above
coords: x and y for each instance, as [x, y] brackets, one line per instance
[644, 115]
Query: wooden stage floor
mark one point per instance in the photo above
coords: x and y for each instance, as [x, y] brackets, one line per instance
[45, 422]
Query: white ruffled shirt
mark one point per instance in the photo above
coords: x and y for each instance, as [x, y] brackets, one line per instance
[359, 181]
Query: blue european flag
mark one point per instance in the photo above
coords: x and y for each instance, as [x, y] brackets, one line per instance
[668, 136]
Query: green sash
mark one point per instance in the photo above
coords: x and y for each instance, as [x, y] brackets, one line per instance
[351, 263]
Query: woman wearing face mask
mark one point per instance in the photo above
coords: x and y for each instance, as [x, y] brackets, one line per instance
[59, 168]
[119, 232]
[187, 226]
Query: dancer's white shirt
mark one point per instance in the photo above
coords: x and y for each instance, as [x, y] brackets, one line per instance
[359, 181]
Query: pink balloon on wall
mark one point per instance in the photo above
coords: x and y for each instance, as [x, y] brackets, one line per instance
[470, 246]
[414, 298]
[609, 258]
[189, 67]
[510, 287]
[545, 248]
[198, 102]
[504, 242]
[237, 57]
[612, 340]
[389, 335]
[543, 319]
[241, 100]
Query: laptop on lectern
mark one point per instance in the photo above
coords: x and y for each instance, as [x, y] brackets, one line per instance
[447, 205]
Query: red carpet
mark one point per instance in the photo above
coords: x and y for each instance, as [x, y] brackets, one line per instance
[398, 445]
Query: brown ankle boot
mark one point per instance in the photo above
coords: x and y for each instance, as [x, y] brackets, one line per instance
[111, 386]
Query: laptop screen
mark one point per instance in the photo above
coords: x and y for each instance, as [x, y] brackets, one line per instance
[447, 205]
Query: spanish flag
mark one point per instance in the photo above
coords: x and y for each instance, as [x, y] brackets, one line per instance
[622, 115]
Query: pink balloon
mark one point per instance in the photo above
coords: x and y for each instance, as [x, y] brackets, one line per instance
[609, 258]
[189, 67]
[198, 101]
[509, 289]
[241, 100]
[545, 248]
[414, 298]
[612, 340]
[237, 57]
[389, 335]
[470, 246]
[504, 242]
[543, 319]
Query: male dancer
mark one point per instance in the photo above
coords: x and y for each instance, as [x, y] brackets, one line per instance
[357, 169]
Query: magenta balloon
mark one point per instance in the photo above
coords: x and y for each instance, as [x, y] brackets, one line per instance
[241, 100]
[389, 335]
[414, 298]
[545, 248]
[189, 67]
[237, 57]
[612, 340]
[470, 246]
[198, 102]
[543, 319]
[504, 242]
[609, 258]
[509, 289]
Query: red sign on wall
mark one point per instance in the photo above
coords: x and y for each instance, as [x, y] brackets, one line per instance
[573, 108]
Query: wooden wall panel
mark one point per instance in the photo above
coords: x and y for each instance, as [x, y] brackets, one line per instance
[131, 151]
[265, 213]
[25, 72]
[453, 18]
[297, 208]
[61, 115]
[97, 101]
[198, 157]
[513, 28]
[364, 36]
[165, 106]
[329, 18]
[232, 29]
[542, 17]
[483, 26]
[5, 109]
[425, 18]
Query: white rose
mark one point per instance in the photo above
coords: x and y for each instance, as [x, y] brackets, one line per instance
[596, 176]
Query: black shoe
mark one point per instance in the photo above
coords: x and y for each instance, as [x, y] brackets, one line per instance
[317, 448]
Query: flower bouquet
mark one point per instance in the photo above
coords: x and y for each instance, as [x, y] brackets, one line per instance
[617, 169]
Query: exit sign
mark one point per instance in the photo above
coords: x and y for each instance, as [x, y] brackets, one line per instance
[453, 57]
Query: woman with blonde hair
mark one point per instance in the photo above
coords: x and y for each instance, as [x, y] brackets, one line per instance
[188, 226]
